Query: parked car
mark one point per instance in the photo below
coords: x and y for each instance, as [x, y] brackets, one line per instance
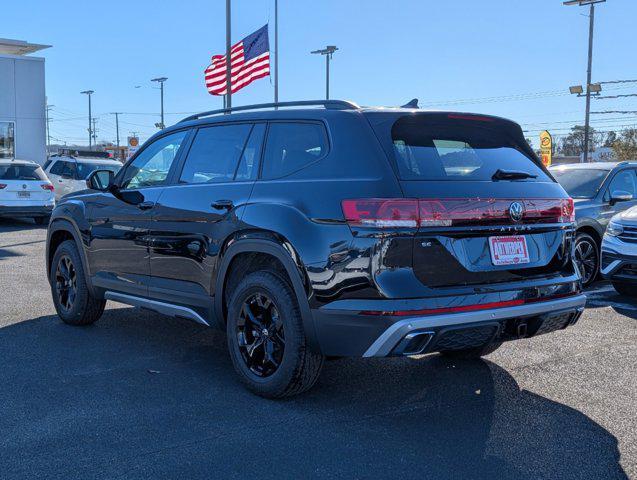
[619, 252]
[600, 190]
[69, 174]
[25, 191]
[335, 231]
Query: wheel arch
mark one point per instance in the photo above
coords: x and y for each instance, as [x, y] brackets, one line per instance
[61, 229]
[266, 243]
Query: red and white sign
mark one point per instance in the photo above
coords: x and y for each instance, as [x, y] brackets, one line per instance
[509, 250]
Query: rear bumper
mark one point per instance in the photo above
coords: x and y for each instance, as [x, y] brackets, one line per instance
[347, 334]
[26, 211]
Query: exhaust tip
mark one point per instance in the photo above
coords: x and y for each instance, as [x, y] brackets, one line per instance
[413, 343]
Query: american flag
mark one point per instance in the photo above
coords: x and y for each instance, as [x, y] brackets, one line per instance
[250, 60]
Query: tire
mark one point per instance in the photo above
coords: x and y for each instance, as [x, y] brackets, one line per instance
[41, 220]
[263, 308]
[625, 289]
[587, 257]
[73, 302]
[471, 353]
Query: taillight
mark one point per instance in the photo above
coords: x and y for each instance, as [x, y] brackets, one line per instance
[381, 212]
[455, 212]
[3, 185]
[47, 186]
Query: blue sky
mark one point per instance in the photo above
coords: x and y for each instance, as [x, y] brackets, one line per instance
[507, 57]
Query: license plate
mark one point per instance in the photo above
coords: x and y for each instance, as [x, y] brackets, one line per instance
[24, 194]
[509, 250]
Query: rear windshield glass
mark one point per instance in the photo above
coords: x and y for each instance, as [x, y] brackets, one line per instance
[85, 169]
[21, 172]
[580, 182]
[457, 150]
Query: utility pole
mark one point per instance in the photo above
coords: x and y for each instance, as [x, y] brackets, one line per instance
[161, 125]
[90, 122]
[589, 71]
[117, 129]
[94, 132]
[228, 59]
[48, 132]
[276, 51]
[328, 52]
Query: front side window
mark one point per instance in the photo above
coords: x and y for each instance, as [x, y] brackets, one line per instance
[624, 182]
[214, 154]
[150, 168]
[7, 140]
[292, 146]
[458, 149]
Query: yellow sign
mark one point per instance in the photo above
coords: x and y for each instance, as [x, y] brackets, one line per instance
[546, 148]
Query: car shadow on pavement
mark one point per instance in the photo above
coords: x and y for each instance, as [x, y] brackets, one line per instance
[138, 395]
[18, 224]
[606, 296]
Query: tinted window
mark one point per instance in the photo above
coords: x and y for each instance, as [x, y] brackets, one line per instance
[21, 172]
[57, 168]
[455, 149]
[249, 164]
[624, 182]
[292, 146]
[84, 169]
[214, 154]
[150, 168]
[580, 182]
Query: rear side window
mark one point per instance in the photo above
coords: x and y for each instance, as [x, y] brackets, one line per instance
[21, 172]
[457, 149]
[57, 168]
[292, 146]
[84, 169]
[214, 154]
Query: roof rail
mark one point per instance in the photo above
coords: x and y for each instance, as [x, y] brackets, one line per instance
[333, 104]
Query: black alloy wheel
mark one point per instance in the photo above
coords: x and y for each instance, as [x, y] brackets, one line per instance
[260, 335]
[66, 283]
[586, 258]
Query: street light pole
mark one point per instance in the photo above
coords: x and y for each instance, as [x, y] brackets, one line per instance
[117, 129]
[589, 71]
[328, 52]
[161, 81]
[90, 119]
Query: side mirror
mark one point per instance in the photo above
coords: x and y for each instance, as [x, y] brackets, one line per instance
[620, 196]
[100, 180]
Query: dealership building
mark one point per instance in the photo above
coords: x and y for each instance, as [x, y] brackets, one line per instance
[22, 102]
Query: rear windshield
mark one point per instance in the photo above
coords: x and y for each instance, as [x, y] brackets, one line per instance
[84, 169]
[457, 150]
[21, 172]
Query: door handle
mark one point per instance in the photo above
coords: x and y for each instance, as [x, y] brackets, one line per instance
[222, 204]
[145, 205]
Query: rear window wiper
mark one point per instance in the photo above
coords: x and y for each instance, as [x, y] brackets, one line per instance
[511, 175]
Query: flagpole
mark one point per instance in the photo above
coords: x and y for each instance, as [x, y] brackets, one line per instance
[228, 60]
[276, 51]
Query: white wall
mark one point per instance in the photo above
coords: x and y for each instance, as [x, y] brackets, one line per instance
[22, 100]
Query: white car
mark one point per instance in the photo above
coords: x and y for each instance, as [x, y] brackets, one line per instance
[25, 191]
[68, 174]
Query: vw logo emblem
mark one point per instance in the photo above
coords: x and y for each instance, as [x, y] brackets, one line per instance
[516, 210]
[24, 187]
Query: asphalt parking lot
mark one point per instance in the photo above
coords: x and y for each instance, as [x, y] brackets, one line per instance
[139, 395]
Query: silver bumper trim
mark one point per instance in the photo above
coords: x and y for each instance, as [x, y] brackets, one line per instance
[159, 307]
[384, 344]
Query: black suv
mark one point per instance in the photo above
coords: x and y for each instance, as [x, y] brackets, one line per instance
[335, 231]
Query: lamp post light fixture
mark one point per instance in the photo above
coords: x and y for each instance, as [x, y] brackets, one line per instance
[328, 52]
[90, 119]
[591, 24]
[161, 125]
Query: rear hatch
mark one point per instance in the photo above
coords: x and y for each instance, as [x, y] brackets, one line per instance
[20, 182]
[487, 210]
